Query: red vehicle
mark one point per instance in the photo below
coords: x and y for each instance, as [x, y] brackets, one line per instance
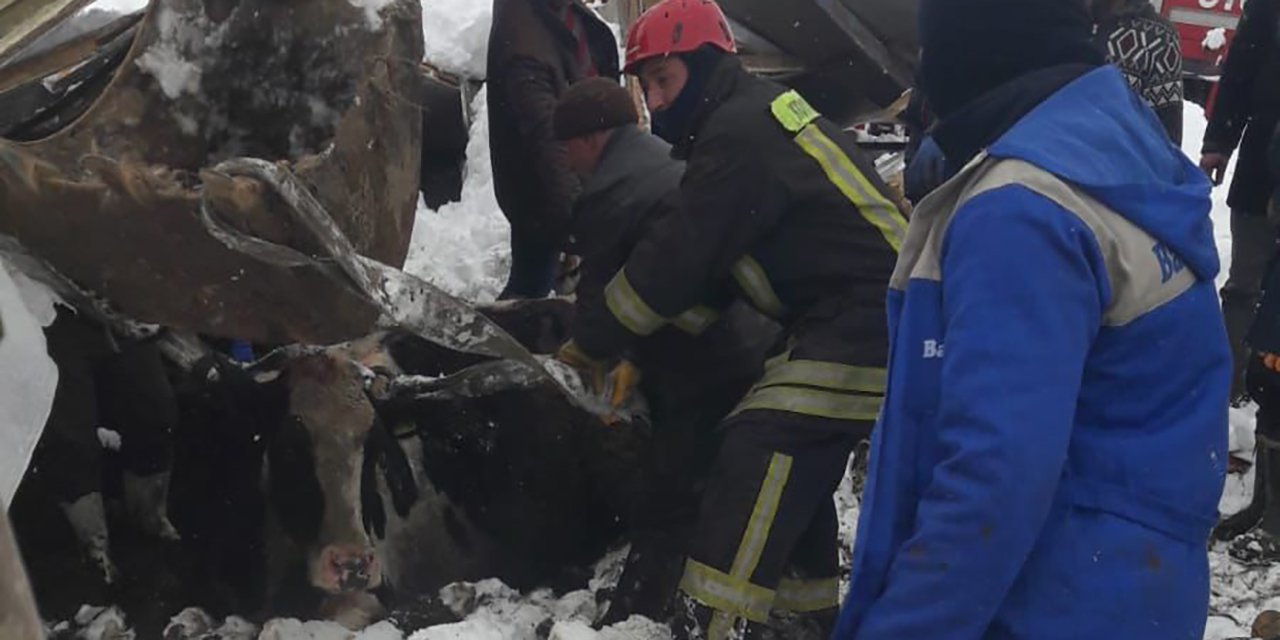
[1206, 28]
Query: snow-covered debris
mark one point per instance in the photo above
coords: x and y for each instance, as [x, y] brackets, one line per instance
[172, 59]
[464, 247]
[1215, 39]
[371, 9]
[195, 624]
[102, 623]
[290, 629]
[28, 377]
[456, 35]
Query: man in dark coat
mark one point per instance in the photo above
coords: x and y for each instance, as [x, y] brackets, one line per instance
[1245, 114]
[537, 48]
[778, 208]
[692, 374]
[1145, 45]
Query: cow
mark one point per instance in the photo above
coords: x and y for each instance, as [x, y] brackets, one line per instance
[352, 476]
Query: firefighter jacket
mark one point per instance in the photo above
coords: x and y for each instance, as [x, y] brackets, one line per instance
[633, 187]
[777, 207]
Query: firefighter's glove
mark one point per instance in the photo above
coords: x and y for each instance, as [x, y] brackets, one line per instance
[623, 381]
[594, 371]
[1271, 361]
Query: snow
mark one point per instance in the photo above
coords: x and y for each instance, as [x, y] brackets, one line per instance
[119, 6]
[1215, 39]
[371, 9]
[464, 247]
[456, 35]
[28, 376]
[171, 58]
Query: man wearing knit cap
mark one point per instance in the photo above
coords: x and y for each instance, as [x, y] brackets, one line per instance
[1053, 441]
[691, 376]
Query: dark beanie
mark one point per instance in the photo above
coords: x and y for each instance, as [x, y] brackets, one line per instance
[970, 47]
[591, 105]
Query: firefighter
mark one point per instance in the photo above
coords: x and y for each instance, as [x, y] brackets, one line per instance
[692, 374]
[776, 207]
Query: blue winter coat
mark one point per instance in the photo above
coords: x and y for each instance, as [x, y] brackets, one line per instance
[1053, 440]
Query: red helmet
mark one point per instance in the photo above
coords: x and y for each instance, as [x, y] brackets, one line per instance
[677, 26]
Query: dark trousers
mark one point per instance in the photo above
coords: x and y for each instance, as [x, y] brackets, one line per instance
[766, 541]
[101, 384]
[1253, 243]
[533, 265]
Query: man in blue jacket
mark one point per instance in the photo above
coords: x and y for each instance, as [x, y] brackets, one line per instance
[1053, 439]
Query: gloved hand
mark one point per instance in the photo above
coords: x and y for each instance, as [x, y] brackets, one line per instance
[592, 369]
[619, 382]
[1270, 361]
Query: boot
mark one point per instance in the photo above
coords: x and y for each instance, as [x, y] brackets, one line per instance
[814, 625]
[146, 499]
[693, 620]
[649, 580]
[88, 519]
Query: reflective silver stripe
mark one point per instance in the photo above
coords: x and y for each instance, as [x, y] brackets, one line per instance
[827, 375]
[696, 320]
[811, 402]
[629, 308]
[726, 593]
[755, 283]
[807, 596]
[840, 170]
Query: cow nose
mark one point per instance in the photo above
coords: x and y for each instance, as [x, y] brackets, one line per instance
[352, 568]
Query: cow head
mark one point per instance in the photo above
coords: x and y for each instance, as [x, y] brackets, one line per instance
[316, 464]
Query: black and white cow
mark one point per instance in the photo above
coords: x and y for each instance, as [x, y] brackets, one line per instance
[319, 477]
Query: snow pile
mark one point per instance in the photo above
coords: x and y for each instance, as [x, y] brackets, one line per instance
[1215, 39]
[28, 376]
[456, 35]
[290, 629]
[464, 247]
[492, 610]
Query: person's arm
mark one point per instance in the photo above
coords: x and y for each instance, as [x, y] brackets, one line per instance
[530, 88]
[1254, 41]
[726, 200]
[1022, 288]
[1171, 117]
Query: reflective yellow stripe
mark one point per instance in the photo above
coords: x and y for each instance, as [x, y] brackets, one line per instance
[811, 402]
[733, 593]
[757, 533]
[696, 320]
[807, 596]
[827, 375]
[797, 116]
[793, 111]
[877, 210]
[726, 593]
[721, 626]
[629, 308]
[755, 283]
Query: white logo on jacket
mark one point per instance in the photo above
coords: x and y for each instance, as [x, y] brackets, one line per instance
[934, 350]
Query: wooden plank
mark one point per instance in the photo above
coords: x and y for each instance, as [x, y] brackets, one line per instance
[22, 21]
[65, 55]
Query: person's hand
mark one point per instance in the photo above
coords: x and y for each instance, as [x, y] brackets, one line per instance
[592, 370]
[1214, 165]
[1270, 361]
[623, 381]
